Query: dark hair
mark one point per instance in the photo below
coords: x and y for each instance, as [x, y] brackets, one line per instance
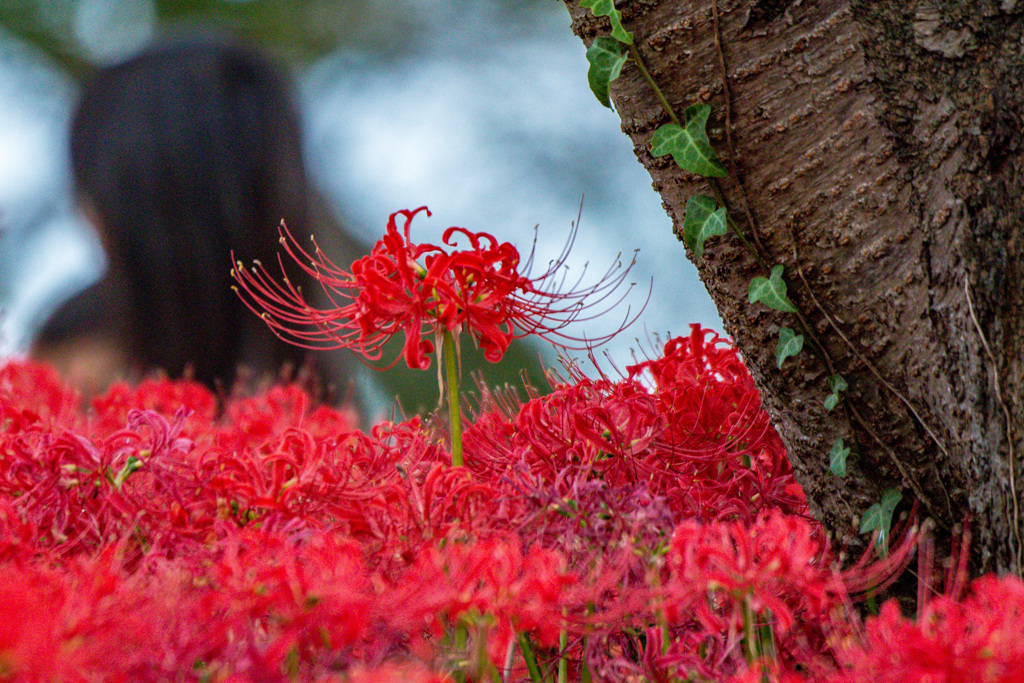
[184, 153]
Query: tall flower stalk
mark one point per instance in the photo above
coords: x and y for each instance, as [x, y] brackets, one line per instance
[454, 414]
[426, 292]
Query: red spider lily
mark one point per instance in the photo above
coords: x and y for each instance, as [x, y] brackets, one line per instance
[698, 436]
[159, 538]
[31, 392]
[975, 640]
[164, 397]
[289, 594]
[776, 571]
[252, 421]
[762, 564]
[424, 290]
[492, 587]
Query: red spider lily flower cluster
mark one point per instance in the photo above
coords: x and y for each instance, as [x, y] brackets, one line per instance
[640, 528]
[977, 639]
[722, 573]
[422, 290]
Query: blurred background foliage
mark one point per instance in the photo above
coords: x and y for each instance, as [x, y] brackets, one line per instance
[478, 108]
[73, 33]
[76, 34]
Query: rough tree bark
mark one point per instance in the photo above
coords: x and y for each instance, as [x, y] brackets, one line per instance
[877, 146]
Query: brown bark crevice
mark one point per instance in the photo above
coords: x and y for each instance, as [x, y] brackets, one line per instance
[879, 146]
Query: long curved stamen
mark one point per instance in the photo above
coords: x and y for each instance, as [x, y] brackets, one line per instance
[419, 290]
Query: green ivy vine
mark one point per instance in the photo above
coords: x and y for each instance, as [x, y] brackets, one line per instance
[685, 139]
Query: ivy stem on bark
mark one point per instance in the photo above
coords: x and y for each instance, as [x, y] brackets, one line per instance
[634, 54]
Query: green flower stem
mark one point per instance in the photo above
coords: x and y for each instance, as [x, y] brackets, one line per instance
[459, 640]
[563, 659]
[660, 615]
[760, 640]
[585, 670]
[750, 632]
[454, 413]
[767, 637]
[531, 658]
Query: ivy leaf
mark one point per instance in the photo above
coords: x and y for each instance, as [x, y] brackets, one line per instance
[689, 144]
[606, 8]
[771, 291]
[837, 458]
[790, 344]
[836, 384]
[879, 516]
[606, 56]
[704, 219]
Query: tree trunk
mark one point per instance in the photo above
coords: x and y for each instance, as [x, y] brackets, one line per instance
[875, 152]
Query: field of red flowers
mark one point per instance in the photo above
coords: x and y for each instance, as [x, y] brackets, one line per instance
[645, 527]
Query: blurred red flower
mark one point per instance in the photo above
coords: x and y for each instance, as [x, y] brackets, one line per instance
[976, 639]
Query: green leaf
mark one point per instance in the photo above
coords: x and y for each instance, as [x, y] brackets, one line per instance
[704, 219]
[771, 291]
[606, 57]
[790, 344]
[606, 8]
[689, 144]
[879, 516]
[836, 384]
[837, 458]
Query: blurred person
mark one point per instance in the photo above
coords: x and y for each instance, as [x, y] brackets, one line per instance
[180, 155]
